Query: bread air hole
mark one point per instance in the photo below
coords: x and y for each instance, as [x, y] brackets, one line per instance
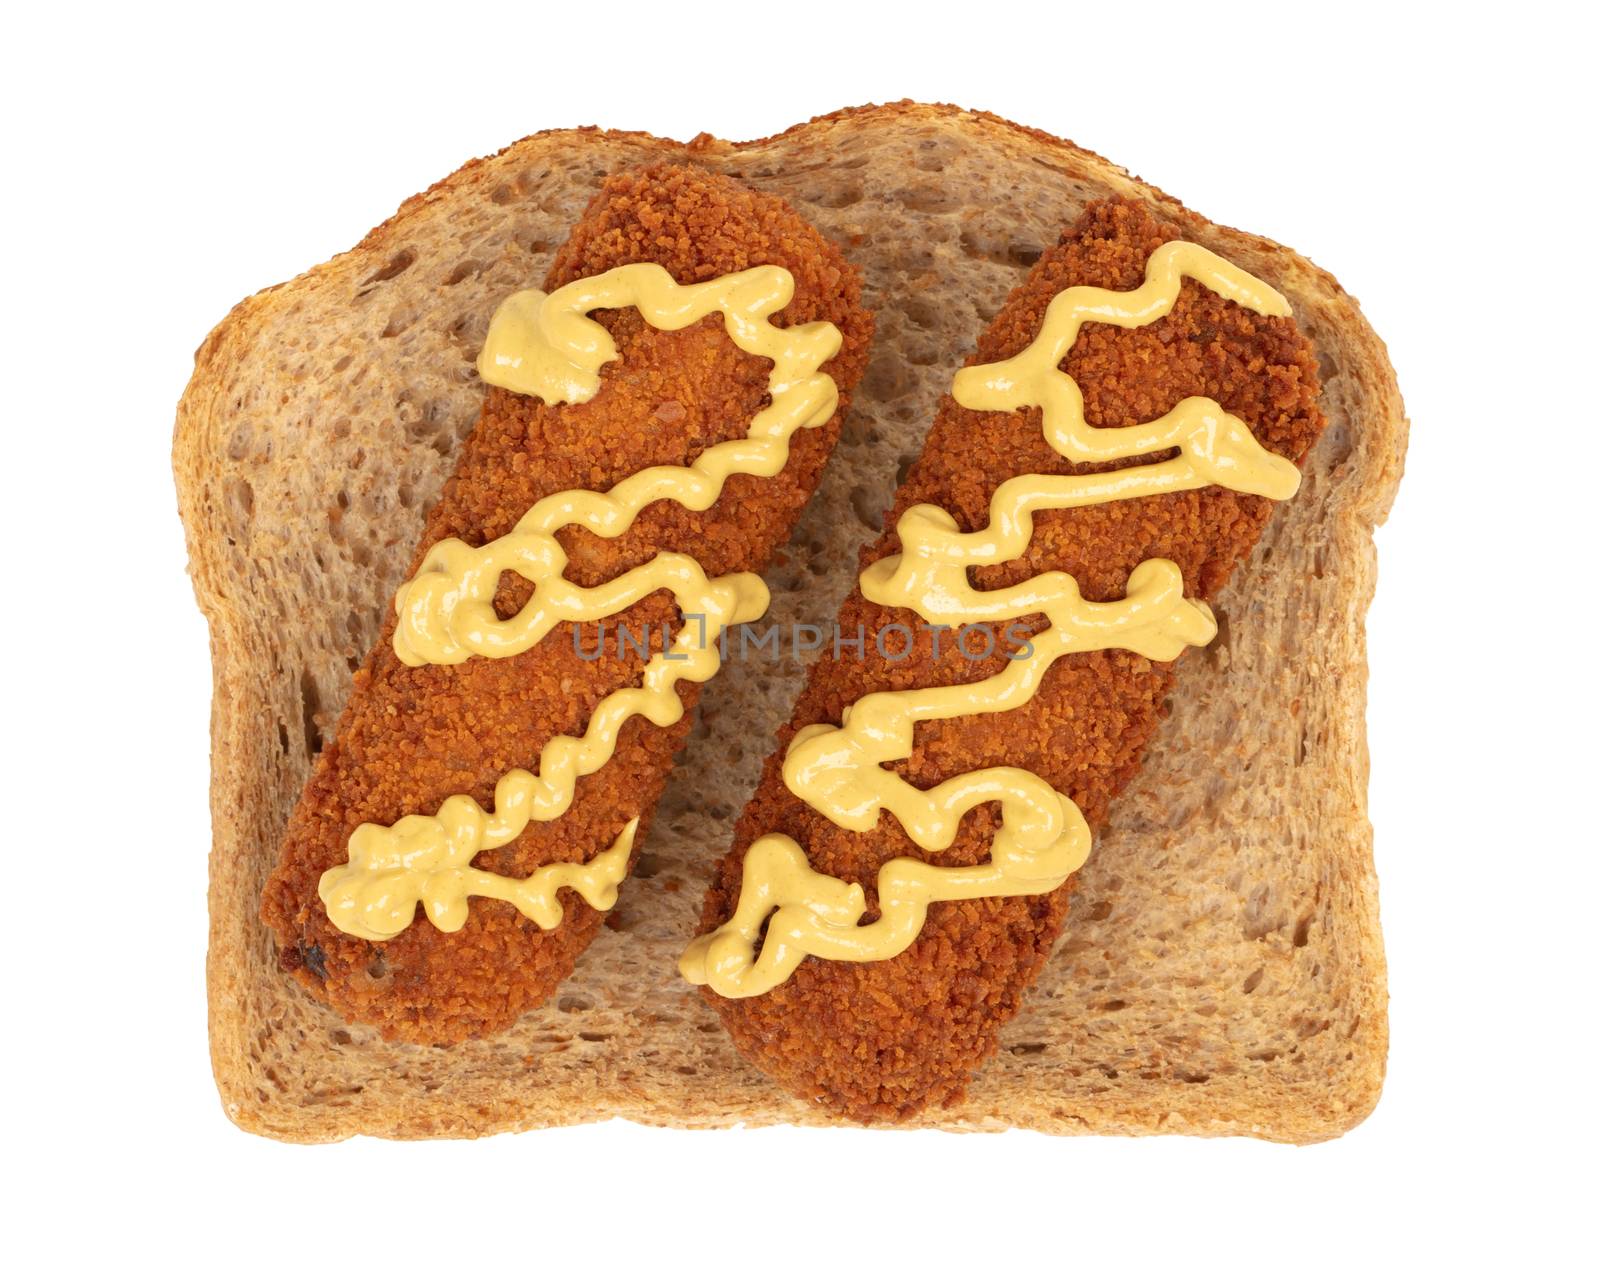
[310, 708]
[399, 321]
[922, 312]
[242, 500]
[982, 245]
[844, 197]
[932, 198]
[396, 265]
[868, 507]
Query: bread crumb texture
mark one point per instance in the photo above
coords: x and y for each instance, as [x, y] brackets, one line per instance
[1221, 971]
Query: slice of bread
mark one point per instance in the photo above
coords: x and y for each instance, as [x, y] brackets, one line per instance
[1222, 970]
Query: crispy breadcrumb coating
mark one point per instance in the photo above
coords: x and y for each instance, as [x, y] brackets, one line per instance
[884, 1040]
[411, 737]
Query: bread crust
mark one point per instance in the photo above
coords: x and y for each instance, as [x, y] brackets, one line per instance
[1222, 972]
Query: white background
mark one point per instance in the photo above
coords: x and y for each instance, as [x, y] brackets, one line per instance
[159, 166]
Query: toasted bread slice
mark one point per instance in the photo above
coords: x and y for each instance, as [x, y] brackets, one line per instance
[1222, 971]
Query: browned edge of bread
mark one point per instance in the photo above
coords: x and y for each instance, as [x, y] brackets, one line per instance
[1223, 972]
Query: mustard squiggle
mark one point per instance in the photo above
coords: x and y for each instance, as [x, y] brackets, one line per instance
[427, 859]
[547, 346]
[1042, 839]
[838, 770]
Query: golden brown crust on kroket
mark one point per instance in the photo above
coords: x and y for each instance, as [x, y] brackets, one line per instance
[884, 1040]
[410, 737]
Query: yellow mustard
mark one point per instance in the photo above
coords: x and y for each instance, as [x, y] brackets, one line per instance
[547, 346]
[428, 860]
[839, 770]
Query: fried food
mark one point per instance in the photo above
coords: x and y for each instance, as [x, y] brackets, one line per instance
[411, 737]
[883, 1040]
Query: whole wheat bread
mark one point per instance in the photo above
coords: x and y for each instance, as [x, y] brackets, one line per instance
[1222, 970]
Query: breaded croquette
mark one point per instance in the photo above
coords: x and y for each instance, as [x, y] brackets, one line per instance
[883, 1040]
[411, 737]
